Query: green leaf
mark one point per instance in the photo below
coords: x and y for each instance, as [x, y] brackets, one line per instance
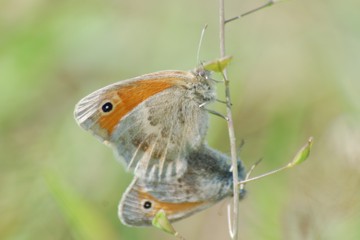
[302, 154]
[161, 222]
[218, 65]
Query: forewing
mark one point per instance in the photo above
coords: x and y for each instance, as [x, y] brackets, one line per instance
[152, 123]
[124, 97]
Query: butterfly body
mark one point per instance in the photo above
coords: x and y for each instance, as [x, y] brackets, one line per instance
[206, 181]
[151, 121]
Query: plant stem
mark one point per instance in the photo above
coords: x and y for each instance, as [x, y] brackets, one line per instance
[234, 226]
[268, 4]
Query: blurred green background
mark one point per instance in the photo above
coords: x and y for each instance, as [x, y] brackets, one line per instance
[295, 74]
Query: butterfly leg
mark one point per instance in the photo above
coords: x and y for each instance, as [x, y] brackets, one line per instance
[217, 114]
[222, 101]
[217, 81]
[213, 112]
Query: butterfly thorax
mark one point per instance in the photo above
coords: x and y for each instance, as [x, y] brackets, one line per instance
[203, 88]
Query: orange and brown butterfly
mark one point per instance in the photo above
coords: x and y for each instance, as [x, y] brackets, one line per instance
[206, 181]
[151, 121]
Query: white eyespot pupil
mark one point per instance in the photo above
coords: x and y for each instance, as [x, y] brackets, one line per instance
[107, 107]
[147, 204]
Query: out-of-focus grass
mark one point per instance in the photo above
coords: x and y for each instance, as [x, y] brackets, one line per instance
[295, 74]
[86, 223]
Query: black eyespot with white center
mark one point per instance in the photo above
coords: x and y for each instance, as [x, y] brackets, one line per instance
[107, 107]
[147, 205]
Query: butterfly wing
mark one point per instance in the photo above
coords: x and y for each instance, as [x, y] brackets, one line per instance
[151, 121]
[138, 207]
[206, 181]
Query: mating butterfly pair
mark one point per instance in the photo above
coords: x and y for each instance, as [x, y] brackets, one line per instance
[156, 124]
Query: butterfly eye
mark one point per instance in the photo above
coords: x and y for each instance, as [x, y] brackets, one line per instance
[202, 73]
[107, 107]
[147, 205]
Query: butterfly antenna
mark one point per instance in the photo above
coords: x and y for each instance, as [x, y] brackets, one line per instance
[200, 42]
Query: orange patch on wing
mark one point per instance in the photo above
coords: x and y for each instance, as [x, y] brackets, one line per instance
[127, 97]
[169, 208]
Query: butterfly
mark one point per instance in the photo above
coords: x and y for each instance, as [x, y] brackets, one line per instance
[206, 181]
[151, 121]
